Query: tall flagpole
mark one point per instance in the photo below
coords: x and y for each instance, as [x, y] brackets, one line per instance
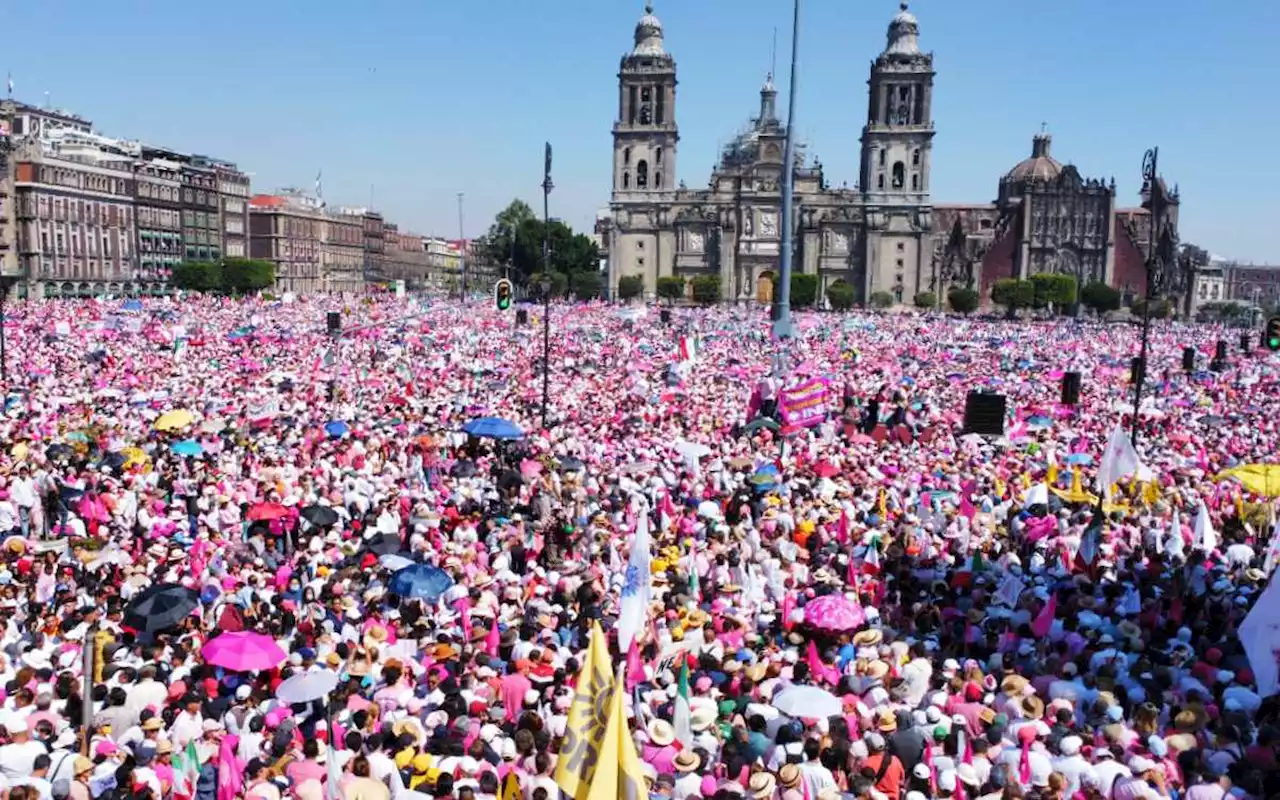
[782, 303]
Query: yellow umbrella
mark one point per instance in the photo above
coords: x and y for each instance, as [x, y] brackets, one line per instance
[1263, 479]
[133, 457]
[173, 420]
[20, 451]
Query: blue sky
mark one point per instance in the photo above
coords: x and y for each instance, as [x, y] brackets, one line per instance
[421, 99]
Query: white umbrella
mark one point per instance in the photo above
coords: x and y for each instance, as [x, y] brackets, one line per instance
[692, 450]
[396, 562]
[710, 510]
[809, 702]
[306, 686]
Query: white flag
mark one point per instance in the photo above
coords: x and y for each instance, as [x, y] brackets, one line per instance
[1260, 634]
[636, 587]
[1118, 460]
[1173, 547]
[1206, 538]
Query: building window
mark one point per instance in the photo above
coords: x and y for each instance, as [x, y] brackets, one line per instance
[881, 158]
[915, 182]
[902, 247]
[915, 157]
[642, 174]
[657, 156]
[626, 180]
[899, 174]
[899, 263]
[657, 179]
[626, 156]
[640, 244]
[880, 182]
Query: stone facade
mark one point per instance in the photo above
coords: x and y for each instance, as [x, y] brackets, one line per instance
[886, 235]
[875, 237]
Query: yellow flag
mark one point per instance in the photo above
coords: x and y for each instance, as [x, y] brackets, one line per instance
[884, 507]
[588, 716]
[1239, 507]
[511, 788]
[1052, 477]
[618, 774]
[1000, 488]
[1151, 493]
[1026, 481]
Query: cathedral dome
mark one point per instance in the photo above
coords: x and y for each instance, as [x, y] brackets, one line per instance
[904, 34]
[648, 34]
[1040, 166]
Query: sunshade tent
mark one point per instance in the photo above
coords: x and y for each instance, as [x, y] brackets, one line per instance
[160, 606]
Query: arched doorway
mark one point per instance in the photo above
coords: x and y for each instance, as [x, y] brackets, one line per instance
[764, 287]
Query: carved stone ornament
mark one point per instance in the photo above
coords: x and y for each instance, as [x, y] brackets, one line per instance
[769, 224]
[696, 241]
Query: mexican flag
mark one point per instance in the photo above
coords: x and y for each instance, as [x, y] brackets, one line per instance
[683, 715]
[688, 348]
[186, 772]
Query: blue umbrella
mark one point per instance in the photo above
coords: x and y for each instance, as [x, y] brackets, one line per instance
[493, 428]
[422, 581]
[336, 428]
[187, 447]
[1080, 458]
[132, 305]
[1039, 421]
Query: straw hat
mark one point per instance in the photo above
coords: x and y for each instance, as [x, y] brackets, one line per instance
[887, 723]
[789, 776]
[661, 733]
[877, 669]
[868, 638]
[1032, 707]
[762, 785]
[702, 717]
[687, 761]
[1013, 685]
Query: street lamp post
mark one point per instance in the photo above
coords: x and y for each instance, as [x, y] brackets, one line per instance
[547, 186]
[1155, 273]
[782, 309]
[462, 249]
[6, 281]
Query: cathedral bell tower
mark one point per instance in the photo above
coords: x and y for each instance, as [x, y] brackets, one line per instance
[898, 138]
[645, 135]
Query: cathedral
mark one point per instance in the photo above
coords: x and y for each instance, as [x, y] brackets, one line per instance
[884, 236]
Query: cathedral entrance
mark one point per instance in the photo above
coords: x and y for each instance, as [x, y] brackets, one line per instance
[764, 288]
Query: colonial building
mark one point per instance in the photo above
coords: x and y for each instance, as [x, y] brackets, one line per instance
[885, 235]
[875, 237]
[313, 248]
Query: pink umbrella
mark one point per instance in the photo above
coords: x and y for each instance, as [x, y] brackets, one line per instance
[834, 612]
[243, 651]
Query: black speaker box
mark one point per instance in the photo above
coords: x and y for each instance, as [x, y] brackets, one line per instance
[984, 414]
[1070, 388]
[1220, 351]
[333, 321]
[665, 315]
[1188, 359]
[522, 316]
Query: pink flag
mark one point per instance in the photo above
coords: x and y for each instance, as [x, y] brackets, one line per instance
[842, 527]
[1044, 620]
[635, 668]
[817, 668]
[966, 508]
[788, 605]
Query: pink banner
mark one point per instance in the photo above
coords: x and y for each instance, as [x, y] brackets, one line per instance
[805, 405]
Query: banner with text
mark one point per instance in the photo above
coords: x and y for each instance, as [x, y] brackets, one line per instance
[805, 404]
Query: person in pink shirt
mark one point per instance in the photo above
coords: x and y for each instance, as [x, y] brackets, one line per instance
[514, 688]
[309, 767]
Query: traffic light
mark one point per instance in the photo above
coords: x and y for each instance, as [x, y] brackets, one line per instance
[1272, 337]
[502, 294]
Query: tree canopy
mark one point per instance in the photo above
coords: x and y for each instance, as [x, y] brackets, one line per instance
[515, 240]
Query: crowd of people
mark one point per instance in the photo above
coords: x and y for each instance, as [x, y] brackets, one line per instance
[245, 558]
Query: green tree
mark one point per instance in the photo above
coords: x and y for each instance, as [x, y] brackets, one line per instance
[926, 300]
[962, 300]
[630, 286]
[516, 239]
[671, 287]
[840, 295]
[1060, 290]
[502, 244]
[243, 275]
[1161, 309]
[1013, 294]
[706, 289]
[881, 299]
[804, 290]
[586, 285]
[1100, 297]
[198, 276]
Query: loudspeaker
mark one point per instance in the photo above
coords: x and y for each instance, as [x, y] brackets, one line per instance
[665, 315]
[1137, 369]
[984, 414]
[522, 316]
[1070, 388]
[333, 321]
[1220, 351]
[1245, 342]
[1188, 359]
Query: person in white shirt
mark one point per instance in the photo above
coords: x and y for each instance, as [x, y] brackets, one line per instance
[688, 780]
[17, 759]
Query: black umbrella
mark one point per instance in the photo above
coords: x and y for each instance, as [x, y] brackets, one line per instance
[382, 544]
[160, 606]
[510, 480]
[462, 469]
[571, 464]
[59, 452]
[320, 516]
